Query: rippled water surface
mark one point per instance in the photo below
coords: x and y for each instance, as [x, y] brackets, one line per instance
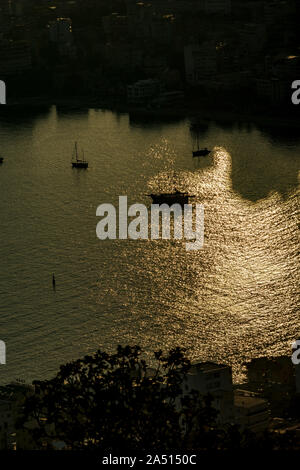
[236, 299]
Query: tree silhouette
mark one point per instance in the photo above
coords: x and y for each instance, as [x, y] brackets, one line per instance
[108, 402]
[112, 401]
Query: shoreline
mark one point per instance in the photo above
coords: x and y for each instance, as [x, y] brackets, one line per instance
[202, 111]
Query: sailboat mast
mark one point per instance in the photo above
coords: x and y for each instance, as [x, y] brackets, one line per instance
[76, 152]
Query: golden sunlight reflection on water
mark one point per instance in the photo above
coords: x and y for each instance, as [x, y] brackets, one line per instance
[235, 299]
[229, 300]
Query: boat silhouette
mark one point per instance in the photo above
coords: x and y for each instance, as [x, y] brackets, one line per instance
[201, 152]
[78, 162]
[175, 197]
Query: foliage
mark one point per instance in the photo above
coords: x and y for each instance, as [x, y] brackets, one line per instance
[112, 401]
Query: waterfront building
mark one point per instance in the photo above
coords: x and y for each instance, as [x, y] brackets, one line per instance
[216, 380]
[143, 90]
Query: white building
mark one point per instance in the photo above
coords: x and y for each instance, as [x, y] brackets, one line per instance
[234, 406]
[208, 376]
[215, 379]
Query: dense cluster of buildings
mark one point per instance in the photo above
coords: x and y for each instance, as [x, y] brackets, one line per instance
[267, 401]
[234, 405]
[113, 48]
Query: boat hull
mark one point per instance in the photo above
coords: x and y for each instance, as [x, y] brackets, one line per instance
[201, 153]
[170, 199]
[83, 165]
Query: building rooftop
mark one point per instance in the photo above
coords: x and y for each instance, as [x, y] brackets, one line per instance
[247, 401]
[208, 366]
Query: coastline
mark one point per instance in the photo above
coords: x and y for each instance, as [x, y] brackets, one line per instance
[199, 110]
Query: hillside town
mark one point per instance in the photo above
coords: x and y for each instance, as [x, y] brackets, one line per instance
[151, 54]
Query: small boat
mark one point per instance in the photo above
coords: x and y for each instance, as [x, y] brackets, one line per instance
[176, 197]
[79, 162]
[1, 160]
[201, 152]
